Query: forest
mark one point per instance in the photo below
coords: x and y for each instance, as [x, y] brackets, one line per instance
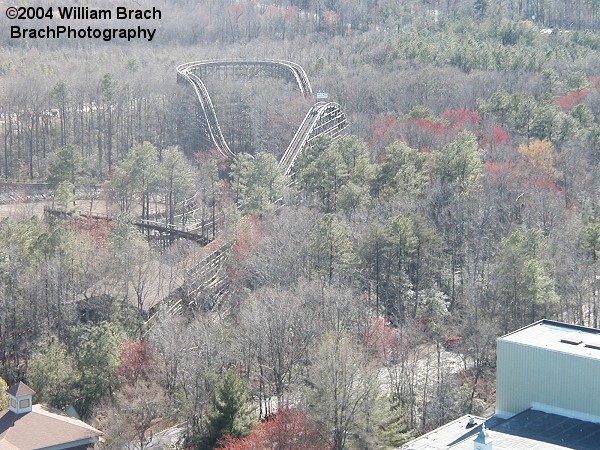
[358, 300]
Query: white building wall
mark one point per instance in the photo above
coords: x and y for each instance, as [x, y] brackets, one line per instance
[548, 380]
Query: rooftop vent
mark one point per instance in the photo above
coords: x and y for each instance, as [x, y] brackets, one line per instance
[571, 341]
[594, 346]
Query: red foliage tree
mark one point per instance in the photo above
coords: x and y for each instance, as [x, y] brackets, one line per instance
[426, 133]
[461, 119]
[380, 340]
[251, 442]
[498, 136]
[386, 129]
[137, 361]
[423, 133]
[288, 429]
[571, 99]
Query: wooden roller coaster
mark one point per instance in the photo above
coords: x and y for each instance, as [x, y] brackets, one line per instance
[322, 119]
[206, 280]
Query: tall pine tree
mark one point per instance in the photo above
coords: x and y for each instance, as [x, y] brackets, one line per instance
[232, 414]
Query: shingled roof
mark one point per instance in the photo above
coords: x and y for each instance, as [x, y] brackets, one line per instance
[19, 389]
[42, 427]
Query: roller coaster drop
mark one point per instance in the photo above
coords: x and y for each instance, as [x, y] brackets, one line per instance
[322, 119]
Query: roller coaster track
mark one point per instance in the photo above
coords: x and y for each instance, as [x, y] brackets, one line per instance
[207, 280]
[323, 118]
[249, 67]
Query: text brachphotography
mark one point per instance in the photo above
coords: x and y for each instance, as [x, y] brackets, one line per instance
[105, 34]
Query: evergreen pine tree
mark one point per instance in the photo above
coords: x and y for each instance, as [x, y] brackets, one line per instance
[231, 414]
